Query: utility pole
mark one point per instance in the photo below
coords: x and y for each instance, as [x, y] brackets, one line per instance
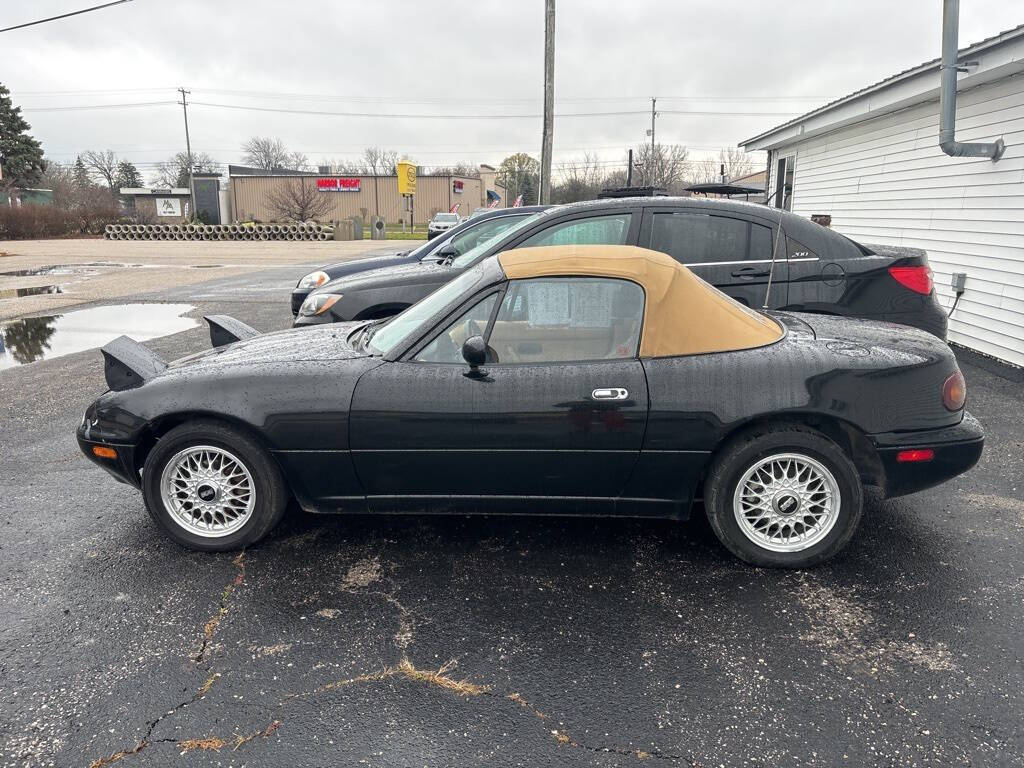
[650, 170]
[188, 152]
[549, 102]
[629, 168]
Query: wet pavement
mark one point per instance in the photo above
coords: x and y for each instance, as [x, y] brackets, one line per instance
[412, 641]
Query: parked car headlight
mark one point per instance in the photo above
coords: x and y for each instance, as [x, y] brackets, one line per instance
[318, 304]
[313, 279]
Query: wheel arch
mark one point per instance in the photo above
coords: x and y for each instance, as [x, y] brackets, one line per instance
[847, 435]
[164, 423]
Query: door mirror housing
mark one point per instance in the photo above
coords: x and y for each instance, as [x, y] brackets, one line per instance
[446, 250]
[474, 351]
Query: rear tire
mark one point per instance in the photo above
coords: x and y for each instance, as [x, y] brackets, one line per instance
[783, 497]
[213, 487]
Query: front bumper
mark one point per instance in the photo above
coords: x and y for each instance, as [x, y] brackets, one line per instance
[298, 296]
[956, 450]
[121, 468]
[301, 321]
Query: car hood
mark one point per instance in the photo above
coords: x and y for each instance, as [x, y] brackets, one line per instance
[346, 268]
[314, 344]
[418, 273]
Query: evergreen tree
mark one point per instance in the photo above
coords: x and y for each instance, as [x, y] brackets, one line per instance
[81, 175]
[127, 175]
[21, 156]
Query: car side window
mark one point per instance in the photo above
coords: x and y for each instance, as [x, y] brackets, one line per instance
[596, 230]
[482, 231]
[446, 347]
[700, 238]
[567, 319]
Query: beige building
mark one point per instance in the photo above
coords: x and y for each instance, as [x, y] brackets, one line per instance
[364, 196]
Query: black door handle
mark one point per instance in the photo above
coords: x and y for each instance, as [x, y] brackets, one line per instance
[751, 272]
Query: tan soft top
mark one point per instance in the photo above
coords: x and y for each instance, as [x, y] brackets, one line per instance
[683, 315]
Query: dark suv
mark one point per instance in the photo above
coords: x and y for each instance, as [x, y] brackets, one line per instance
[729, 244]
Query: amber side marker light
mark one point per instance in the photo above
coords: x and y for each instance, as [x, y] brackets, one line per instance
[921, 454]
[103, 452]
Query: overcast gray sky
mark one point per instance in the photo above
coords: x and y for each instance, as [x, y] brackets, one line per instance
[459, 57]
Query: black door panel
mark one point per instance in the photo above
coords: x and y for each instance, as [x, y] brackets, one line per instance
[430, 430]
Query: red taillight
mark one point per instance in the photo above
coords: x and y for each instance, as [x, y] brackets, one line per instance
[919, 454]
[917, 279]
[954, 391]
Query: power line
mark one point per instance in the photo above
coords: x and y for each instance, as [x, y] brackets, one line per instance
[434, 116]
[81, 107]
[64, 15]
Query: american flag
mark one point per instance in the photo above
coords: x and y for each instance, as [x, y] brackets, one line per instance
[494, 204]
[455, 208]
[518, 203]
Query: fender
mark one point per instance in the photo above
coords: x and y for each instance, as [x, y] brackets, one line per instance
[225, 329]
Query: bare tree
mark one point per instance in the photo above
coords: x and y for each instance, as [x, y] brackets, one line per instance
[734, 160]
[104, 165]
[380, 162]
[667, 166]
[581, 180]
[174, 172]
[265, 152]
[298, 161]
[299, 199]
[466, 170]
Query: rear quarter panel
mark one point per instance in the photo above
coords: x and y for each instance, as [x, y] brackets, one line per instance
[876, 376]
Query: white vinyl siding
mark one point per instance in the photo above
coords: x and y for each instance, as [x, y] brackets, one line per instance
[885, 180]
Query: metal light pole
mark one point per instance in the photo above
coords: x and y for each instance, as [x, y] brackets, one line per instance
[549, 102]
[650, 172]
[188, 152]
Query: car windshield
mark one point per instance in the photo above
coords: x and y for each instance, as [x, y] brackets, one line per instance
[480, 248]
[446, 218]
[392, 333]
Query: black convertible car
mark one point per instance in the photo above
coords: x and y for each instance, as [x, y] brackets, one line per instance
[564, 380]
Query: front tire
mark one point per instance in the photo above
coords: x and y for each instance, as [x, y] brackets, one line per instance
[213, 487]
[783, 497]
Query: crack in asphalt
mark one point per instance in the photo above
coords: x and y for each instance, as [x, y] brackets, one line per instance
[210, 628]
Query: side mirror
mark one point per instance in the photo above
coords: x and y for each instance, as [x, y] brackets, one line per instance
[446, 250]
[474, 351]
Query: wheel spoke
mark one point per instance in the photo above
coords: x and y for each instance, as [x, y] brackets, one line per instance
[208, 491]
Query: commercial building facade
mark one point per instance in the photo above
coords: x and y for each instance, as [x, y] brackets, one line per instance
[250, 192]
[871, 161]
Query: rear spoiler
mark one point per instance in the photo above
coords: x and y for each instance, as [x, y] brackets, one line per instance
[898, 252]
[224, 329]
[127, 364]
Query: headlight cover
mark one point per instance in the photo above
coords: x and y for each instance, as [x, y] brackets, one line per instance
[318, 304]
[313, 280]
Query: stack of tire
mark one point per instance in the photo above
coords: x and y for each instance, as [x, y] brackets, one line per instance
[302, 231]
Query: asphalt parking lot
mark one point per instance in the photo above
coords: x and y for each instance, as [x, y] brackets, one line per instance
[411, 641]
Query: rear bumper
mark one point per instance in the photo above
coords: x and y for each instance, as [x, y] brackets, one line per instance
[121, 468]
[956, 449]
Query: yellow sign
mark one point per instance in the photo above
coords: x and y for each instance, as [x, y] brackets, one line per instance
[406, 178]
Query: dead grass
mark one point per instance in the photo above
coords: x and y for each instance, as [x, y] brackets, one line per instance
[210, 628]
[405, 669]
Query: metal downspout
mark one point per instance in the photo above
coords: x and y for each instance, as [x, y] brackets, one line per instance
[947, 93]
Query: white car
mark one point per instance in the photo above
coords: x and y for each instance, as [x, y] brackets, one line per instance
[441, 222]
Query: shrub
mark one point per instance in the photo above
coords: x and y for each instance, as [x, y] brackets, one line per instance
[39, 221]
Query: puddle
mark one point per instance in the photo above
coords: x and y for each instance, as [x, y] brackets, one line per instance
[35, 290]
[89, 268]
[42, 338]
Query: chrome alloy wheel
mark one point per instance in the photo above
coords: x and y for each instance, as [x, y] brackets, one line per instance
[786, 502]
[207, 491]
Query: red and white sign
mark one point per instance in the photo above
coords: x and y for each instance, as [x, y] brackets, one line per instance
[457, 185]
[338, 184]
